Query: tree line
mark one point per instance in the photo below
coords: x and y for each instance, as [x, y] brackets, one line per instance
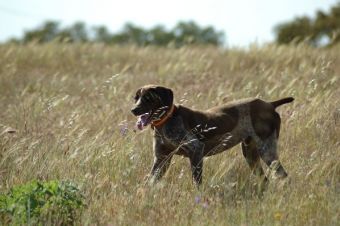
[183, 33]
[323, 29]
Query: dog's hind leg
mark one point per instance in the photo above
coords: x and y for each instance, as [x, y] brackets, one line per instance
[268, 153]
[251, 154]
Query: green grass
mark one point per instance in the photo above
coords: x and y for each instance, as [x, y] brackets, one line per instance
[65, 115]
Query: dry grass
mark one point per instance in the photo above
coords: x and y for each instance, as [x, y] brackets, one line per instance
[69, 110]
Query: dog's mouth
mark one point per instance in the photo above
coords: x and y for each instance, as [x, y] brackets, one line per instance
[143, 120]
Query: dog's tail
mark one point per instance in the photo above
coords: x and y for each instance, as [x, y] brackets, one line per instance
[282, 101]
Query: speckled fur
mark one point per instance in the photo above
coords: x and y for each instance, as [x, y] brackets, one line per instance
[185, 142]
[196, 134]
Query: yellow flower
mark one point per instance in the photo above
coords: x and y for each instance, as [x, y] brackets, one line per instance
[278, 216]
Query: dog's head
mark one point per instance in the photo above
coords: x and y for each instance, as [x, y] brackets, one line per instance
[151, 103]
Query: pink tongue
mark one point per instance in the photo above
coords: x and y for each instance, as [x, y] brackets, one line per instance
[142, 121]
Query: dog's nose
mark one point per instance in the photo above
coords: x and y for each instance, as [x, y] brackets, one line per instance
[134, 111]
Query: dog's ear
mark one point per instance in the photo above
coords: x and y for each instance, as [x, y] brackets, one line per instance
[166, 95]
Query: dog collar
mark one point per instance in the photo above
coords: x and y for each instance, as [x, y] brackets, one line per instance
[161, 121]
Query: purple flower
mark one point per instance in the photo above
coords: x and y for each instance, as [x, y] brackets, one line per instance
[123, 128]
[197, 199]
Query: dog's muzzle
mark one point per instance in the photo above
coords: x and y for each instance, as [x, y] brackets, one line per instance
[136, 111]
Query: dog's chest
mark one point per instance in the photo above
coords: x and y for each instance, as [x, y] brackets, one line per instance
[175, 136]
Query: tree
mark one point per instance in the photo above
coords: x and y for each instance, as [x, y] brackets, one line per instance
[102, 34]
[191, 33]
[160, 37]
[47, 32]
[325, 26]
[79, 32]
[131, 34]
[296, 31]
[75, 33]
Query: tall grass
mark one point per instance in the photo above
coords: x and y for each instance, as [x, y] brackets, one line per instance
[65, 114]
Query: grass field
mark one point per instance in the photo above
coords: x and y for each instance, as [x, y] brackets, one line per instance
[65, 114]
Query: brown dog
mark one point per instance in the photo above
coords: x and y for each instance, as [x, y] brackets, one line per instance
[195, 134]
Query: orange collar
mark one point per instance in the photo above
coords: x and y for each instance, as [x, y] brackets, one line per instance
[161, 121]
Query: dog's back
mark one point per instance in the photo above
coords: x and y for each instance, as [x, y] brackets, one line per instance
[218, 121]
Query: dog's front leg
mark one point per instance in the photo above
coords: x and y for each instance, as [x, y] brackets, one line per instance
[196, 162]
[195, 149]
[162, 159]
[187, 142]
[159, 168]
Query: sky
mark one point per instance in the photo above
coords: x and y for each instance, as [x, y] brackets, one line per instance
[243, 21]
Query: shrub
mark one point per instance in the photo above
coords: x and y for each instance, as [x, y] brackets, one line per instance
[41, 202]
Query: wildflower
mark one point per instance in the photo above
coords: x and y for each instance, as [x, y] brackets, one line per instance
[197, 199]
[278, 216]
[123, 128]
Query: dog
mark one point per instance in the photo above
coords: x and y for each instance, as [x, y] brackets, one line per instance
[196, 134]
